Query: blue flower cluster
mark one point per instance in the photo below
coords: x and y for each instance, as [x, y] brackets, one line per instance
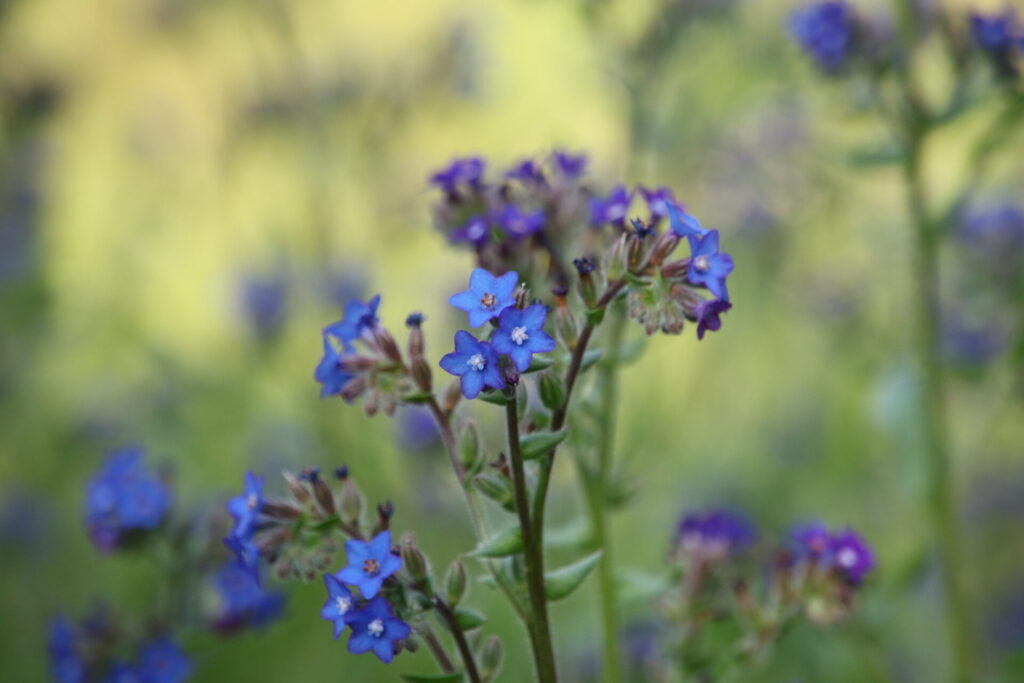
[844, 552]
[518, 333]
[373, 624]
[80, 654]
[124, 500]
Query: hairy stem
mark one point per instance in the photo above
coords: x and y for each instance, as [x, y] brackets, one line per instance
[437, 650]
[465, 651]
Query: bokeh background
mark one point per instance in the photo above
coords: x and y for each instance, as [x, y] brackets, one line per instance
[190, 189]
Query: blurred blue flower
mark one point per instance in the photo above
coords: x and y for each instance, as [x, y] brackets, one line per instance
[659, 202]
[375, 628]
[851, 555]
[475, 362]
[460, 174]
[66, 665]
[476, 231]
[487, 295]
[162, 661]
[713, 534]
[997, 33]
[527, 171]
[240, 601]
[369, 563]
[707, 313]
[611, 209]
[708, 267]
[329, 372]
[246, 553]
[968, 344]
[826, 32]
[569, 166]
[122, 498]
[339, 603]
[358, 318]
[417, 430]
[518, 224]
[521, 334]
[245, 509]
[264, 301]
[810, 540]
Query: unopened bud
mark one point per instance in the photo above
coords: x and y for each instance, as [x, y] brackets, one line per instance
[469, 446]
[414, 323]
[354, 388]
[616, 258]
[279, 509]
[296, 487]
[386, 343]
[351, 502]
[565, 326]
[663, 247]
[421, 373]
[354, 364]
[452, 394]
[494, 487]
[455, 583]
[522, 296]
[414, 562]
[324, 496]
[552, 391]
[384, 512]
[675, 270]
[490, 658]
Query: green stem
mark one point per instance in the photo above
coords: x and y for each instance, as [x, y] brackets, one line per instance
[533, 551]
[941, 485]
[465, 651]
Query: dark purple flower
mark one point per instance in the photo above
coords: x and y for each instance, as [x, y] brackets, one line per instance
[487, 296]
[708, 267]
[521, 334]
[124, 497]
[245, 509]
[851, 556]
[826, 32]
[329, 371]
[997, 34]
[811, 540]
[375, 628]
[359, 317]
[476, 231]
[610, 209]
[240, 601]
[476, 363]
[569, 166]
[339, 603]
[658, 202]
[528, 172]
[714, 534]
[461, 173]
[707, 313]
[518, 224]
[369, 563]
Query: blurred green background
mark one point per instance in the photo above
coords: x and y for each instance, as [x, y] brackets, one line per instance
[155, 154]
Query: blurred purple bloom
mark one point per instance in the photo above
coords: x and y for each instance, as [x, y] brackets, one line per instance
[610, 209]
[658, 202]
[358, 318]
[375, 628]
[476, 364]
[476, 231]
[66, 665]
[683, 224]
[851, 556]
[569, 166]
[245, 509]
[810, 540]
[707, 313]
[162, 661]
[264, 301]
[527, 171]
[997, 33]
[518, 224]
[329, 372]
[240, 600]
[826, 32]
[417, 430]
[714, 534]
[124, 497]
[246, 553]
[461, 173]
[369, 563]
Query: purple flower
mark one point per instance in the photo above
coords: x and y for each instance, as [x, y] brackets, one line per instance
[476, 231]
[826, 32]
[683, 224]
[375, 627]
[610, 209]
[519, 224]
[124, 497]
[369, 563]
[246, 553]
[811, 540]
[329, 371]
[245, 509]
[714, 534]
[521, 334]
[417, 430]
[162, 661]
[528, 172]
[659, 202]
[66, 664]
[569, 166]
[460, 173]
[240, 600]
[851, 556]
[487, 296]
[339, 603]
[475, 362]
[708, 267]
[996, 34]
[358, 318]
[707, 313]
[264, 302]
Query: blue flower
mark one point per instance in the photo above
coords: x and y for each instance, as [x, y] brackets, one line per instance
[811, 540]
[569, 166]
[714, 534]
[659, 202]
[66, 665]
[475, 362]
[610, 209]
[241, 601]
[329, 371]
[519, 224]
[124, 497]
[466, 172]
[527, 171]
[375, 627]
[487, 296]
[683, 224]
[996, 34]
[476, 231]
[247, 554]
[851, 556]
[417, 430]
[369, 563]
[826, 32]
[521, 334]
[339, 603]
[245, 509]
[264, 301]
[707, 313]
[119, 672]
[708, 267]
[358, 318]
[162, 661]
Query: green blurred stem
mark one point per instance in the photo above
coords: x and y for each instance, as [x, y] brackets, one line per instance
[941, 484]
[436, 649]
[465, 651]
[533, 551]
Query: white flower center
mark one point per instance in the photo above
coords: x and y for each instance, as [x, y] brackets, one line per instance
[700, 264]
[252, 501]
[847, 558]
[476, 361]
[476, 231]
[343, 604]
[519, 335]
[376, 628]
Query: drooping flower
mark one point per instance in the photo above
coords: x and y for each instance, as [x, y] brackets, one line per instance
[375, 628]
[569, 166]
[329, 371]
[124, 497]
[708, 267]
[369, 563]
[851, 556]
[245, 509]
[610, 209]
[521, 334]
[826, 32]
[461, 173]
[487, 296]
[707, 313]
[714, 534]
[358, 318]
[162, 661]
[476, 364]
[66, 664]
[684, 224]
[238, 600]
[518, 224]
[339, 603]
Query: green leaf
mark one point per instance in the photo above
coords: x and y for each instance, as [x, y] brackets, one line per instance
[504, 543]
[595, 316]
[562, 582]
[498, 398]
[589, 359]
[453, 677]
[419, 397]
[538, 363]
[575, 535]
[873, 157]
[469, 619]
[536, 444]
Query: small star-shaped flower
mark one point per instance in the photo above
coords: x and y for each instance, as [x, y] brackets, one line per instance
[339, 603]
[521, 334]
[375, 628]
[487, 296]
[708, 267]
[658, 201]
[683, 224]
[245, 509]
[329, 371]
[369, 563]
[358, 317]
[476, 364]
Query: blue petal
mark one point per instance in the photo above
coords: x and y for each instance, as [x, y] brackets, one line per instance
[398, 629]
[472, 384]
[339, 628]
[361, 642]
[370, 585]
[506, 284]
[465, 343]
[521, 356]
[455, 364]
[357, 552]
[353, 576]
[391, 564]
[481, 281]
[381, 545]
[466, 301]
[492, 376]
[384, 650]
[479, 317]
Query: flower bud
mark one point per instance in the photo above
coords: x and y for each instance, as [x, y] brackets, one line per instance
[565, 325]
[452, 394]
[675, 270]
[414, 562]
[323, 495]
[522, 296]
[615, 259]
[490, 658]
[354, 364]
[386, 343]
[663, 247]
[421, 373]
[384, 512]
[552, 391]
[496, 488]
[455, 583]
[414, 322]
[469, 446]
[354, 388]
[296, 487]
[351, 502]
[588, 288]
[279, 509]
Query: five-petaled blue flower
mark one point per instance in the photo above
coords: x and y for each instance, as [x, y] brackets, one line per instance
[487, 296]
[610, 209]
[245, 509]
[329, 371]
[707, 313]
[518, 224]
[369, 563]
[358, 317]
[339, 603]
[124, 497]
[708, 267]
[466, 172]
[376, 628]
[826, 32]
[241, 601]
[475, 363]
[851, 556]
[684, 224]
[521, 334]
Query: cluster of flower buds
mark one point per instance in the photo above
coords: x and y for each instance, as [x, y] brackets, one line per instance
[125, 501]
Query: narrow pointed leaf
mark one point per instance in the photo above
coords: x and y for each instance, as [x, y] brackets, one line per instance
[469, 619]
[539, 362]
[536, 444]
[502, 544]
[562, 582]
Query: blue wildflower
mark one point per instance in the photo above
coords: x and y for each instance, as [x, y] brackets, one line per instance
[487, 296]
[851, 556]
[417, 430]
[714, 534]
[610, 209]
[475, 362]
[476, 231]
[708, 267]
[264, 301]
[521, 334]
[162, 661]
[119, 672]
[247, 554]
[659, 202]
[358, 318]
[375, 628]
[66, 665]
[810, 540]
[528, 172]
[339, 603]
[240, 601]
[245, 509]
[369, 563]
[683, 224]
[826, 32]
[707, 313]
[518, 224]
[996, 34]
[461, 173]
[329, 371]
[569, 166]
[124, 497]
